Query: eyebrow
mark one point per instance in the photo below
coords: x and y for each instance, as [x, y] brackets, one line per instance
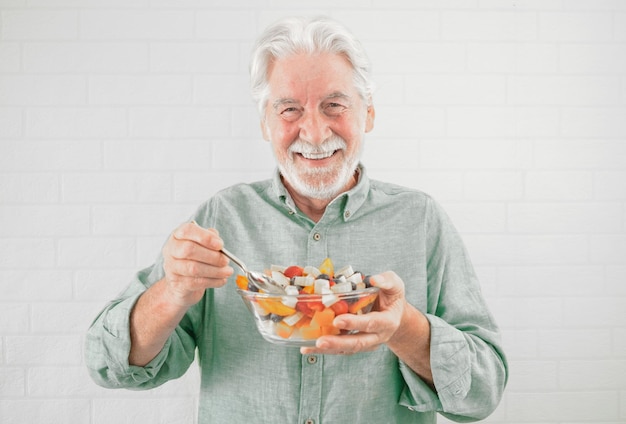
[283, 101]
[288, 100]
[338, 95]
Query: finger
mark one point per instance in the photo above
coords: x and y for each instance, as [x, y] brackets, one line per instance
[387, 282]
[344, 344]
[206, 237]
[195, 283]
[190, 250]
[191, 242]
[196, 269]
[372, 322]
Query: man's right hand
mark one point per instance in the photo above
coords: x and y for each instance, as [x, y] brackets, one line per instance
[193, 263]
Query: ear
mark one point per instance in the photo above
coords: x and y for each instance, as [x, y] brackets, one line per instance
[369, 118]
[265, 130]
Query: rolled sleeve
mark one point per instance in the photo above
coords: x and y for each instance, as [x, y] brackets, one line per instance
[468, 364]
[108, 342]
[417, 395]
[450, 362]
[450, 367]
[468, 373]
[108, 346]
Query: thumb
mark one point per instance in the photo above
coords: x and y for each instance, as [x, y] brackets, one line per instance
[381, 282]
[389, 283]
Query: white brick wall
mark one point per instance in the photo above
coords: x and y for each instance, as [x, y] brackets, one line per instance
[118, 117]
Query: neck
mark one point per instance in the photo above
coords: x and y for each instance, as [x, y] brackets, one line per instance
[311, 207]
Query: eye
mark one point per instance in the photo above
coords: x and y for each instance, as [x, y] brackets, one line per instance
[290, 113]
[334, 108]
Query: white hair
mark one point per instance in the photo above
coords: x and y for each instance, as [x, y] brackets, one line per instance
[307, 35]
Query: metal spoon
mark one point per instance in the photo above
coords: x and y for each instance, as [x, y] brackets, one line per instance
[259, 280]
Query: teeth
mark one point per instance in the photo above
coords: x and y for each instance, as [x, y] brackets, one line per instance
[320, 155]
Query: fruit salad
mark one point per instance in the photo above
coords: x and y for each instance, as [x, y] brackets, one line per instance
[314, 297]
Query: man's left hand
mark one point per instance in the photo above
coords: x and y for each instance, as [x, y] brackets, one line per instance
[374, 328]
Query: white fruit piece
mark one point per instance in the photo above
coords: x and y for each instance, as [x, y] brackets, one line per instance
[329, 299]
[280, 278]
[345, 287]
[290, 301]
[311, 270]
[277, 268]
[355, 278]
[321, 285]
[345, 271]
[304, 281]
[293, 319]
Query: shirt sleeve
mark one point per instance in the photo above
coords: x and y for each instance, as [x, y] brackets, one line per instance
[467, 361]
[107, 343]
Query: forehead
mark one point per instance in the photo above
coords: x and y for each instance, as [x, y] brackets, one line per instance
[311, 74]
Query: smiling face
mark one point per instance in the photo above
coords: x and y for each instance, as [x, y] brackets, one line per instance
[315, 120]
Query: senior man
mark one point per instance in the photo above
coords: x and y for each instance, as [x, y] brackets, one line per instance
[431, 346]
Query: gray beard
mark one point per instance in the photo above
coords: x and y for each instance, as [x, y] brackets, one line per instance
[311, 186]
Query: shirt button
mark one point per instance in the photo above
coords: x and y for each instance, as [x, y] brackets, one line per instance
[317, 236]
[347, 214]
[309, 421]
[311, 359]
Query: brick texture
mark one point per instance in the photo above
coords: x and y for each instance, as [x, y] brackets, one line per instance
[510, 113]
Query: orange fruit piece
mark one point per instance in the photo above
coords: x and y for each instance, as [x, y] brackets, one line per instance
[242, 282]
[323, 318]
[304, 322]
[330, 330]
[362, 303]
[284, 330]
[310, 332]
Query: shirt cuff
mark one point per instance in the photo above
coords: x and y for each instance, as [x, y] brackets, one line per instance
[116, 342]
[417, 395]
[450, 362]
[450, 365]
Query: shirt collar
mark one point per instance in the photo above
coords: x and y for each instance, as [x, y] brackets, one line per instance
[348, 202]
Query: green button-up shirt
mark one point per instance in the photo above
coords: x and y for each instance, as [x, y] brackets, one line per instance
[375, 227]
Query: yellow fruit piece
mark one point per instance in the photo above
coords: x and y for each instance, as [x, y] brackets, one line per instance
[308, 289]
[275, 306]
[327, 267]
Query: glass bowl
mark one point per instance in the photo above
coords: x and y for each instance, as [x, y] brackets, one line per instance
[298, 320]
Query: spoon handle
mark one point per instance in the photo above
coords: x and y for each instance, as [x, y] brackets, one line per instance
[235, 259]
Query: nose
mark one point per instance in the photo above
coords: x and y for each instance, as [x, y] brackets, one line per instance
[314, 128]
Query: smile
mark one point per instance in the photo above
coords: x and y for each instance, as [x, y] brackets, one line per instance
[318, 155]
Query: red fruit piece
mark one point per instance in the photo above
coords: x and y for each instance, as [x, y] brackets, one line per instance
[304, 308]
[316, 306]
[293, 271]
[340, 307]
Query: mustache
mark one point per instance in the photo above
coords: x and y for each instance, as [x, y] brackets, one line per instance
[327, 146]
